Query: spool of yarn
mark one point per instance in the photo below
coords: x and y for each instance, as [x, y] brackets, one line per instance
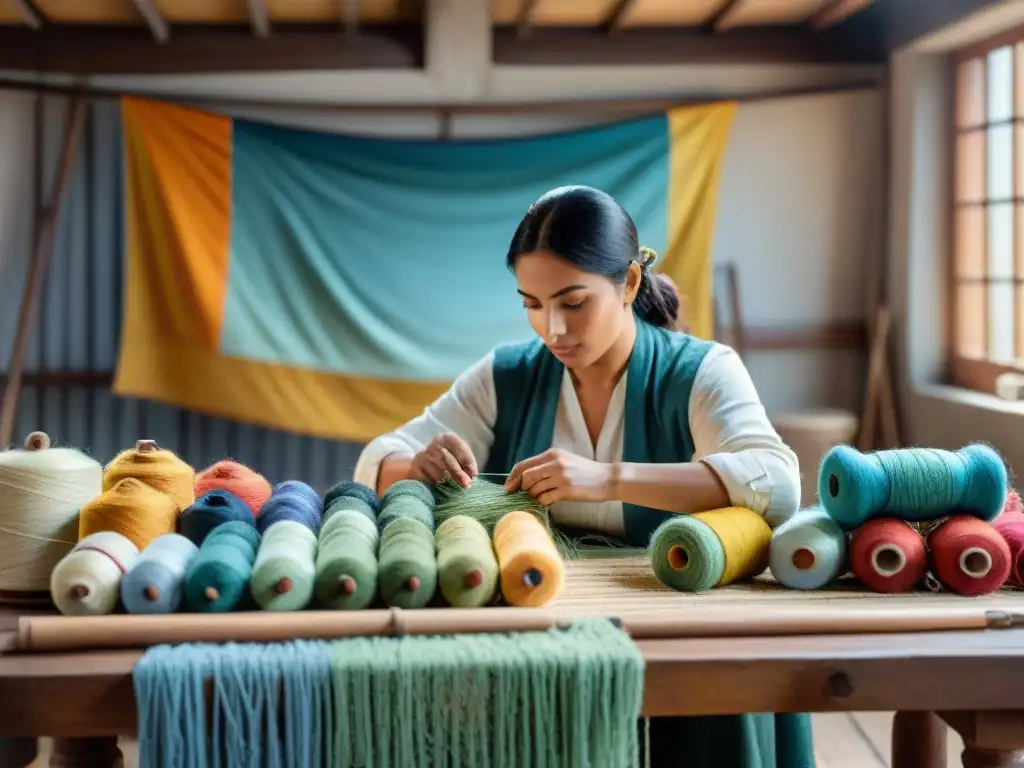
[218, 577]
[212, 509]
[808, 551]
[888, 555]
[467, 570]
[407, 562]
[346, 561]
[353, 504]
[409, 506]
[156, 581]
[87, 582]
[41, 491]
[692, 553]
[156, 467]
[133, 509]
[531, 570]
[969, 556]
[295, 501]
[284, 573]
[227, 475]
[354, 490]
[1010, 525]
[915, 484]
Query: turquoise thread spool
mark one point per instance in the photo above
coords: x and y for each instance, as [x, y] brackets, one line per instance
[808, 551]
[217, 580]
[913, 484]
[156, 581]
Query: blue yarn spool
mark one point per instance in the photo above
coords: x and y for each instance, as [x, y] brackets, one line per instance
[156, 581]
[412, 488]
[291, 500]
[210, 510]
[913, 484]
[808, 551]
[217, 580]
[355, 490]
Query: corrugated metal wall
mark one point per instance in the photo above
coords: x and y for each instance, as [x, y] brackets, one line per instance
[77, 328]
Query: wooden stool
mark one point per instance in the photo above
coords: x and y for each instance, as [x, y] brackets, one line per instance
[811, 434]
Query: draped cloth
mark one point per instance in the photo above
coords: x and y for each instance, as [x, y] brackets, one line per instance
[334, 285]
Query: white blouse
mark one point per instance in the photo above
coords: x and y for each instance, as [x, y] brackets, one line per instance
[731, 434]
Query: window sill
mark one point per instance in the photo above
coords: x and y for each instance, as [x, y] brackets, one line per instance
[970, 398]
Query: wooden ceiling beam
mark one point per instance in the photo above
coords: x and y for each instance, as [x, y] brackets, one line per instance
[259, 17]
[30, 14]
[725, 18]
[619, 16]
[837, 11]
[157, 24]
[524, 24]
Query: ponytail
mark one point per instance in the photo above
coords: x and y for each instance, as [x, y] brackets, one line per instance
[657, 300]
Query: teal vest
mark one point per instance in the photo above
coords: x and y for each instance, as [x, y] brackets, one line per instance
[659, 378]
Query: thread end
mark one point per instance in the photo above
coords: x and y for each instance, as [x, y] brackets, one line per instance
[283, 586]
[37, 441]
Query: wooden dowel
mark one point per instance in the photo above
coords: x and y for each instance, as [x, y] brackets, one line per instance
[78, 633]
[46, 226]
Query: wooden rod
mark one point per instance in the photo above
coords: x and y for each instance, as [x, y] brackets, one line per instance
[79, 633]
[46, 226]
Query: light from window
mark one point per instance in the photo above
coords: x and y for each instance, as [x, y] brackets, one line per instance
[988, 241]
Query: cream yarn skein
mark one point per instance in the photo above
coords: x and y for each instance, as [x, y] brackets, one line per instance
[87, 582]
[41, 491]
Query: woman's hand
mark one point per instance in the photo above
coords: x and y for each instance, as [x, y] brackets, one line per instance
[445, 454]
[558, 475]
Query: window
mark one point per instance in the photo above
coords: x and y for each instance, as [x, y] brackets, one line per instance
[988, 215]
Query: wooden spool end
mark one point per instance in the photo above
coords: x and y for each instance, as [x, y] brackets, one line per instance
[146, 446]
[413, 584]
[677, 558]
[212, 594]
[804, 559]
[37, 441]
[283, 586]
[151, 593]
[347, 585]
[79, 591]
[533, 578]
[474, 578]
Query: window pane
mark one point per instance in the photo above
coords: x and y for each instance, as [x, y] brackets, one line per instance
[1000, 322]
[970, 167]
[1000, 162]
[1000, 241]
[999, 85]
[970, 93]
[970, 320]
[970, 241]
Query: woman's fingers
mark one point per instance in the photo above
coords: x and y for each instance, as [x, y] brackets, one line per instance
[454, 468]
[461, 452]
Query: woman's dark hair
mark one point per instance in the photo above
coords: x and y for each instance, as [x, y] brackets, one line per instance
[589, 229]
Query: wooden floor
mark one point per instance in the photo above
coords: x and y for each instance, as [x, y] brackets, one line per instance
[841, 740]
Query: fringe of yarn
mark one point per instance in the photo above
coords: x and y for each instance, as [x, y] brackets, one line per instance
[567, 696]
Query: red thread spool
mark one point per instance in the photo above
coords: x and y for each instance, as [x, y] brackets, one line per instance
[969, 556]
[888, 555]
[1011, 525]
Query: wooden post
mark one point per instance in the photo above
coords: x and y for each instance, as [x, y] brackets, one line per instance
[46, 226]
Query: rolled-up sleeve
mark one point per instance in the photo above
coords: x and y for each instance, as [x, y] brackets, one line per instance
[733, 435]
[469, 409]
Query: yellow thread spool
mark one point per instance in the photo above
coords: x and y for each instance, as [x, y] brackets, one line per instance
[745, 537]
[156, 467]
[131, 508]
[532, 572]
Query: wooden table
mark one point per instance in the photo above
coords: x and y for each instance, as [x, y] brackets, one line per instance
[974, 680]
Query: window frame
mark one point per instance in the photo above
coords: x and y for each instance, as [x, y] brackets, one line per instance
[962, 370]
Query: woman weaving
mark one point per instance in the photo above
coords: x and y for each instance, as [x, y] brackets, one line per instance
[616, 421]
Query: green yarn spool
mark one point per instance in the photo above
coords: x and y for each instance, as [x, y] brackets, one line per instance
[284, 572]
[488, 502]
[218, 576]
[346, 563]
[467, 570]
[410, 506]
[408, 565]
[705, 563]
[353, 504]
[412, 488]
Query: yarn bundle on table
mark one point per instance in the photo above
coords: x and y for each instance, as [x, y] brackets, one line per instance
[893, 516]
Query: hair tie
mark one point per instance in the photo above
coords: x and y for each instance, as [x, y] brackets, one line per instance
[647, 257]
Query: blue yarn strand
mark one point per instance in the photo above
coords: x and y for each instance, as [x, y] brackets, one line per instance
[913, 484]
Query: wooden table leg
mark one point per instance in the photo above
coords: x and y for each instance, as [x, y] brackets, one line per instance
[99, 752]
[991, 739]
[918, 740]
